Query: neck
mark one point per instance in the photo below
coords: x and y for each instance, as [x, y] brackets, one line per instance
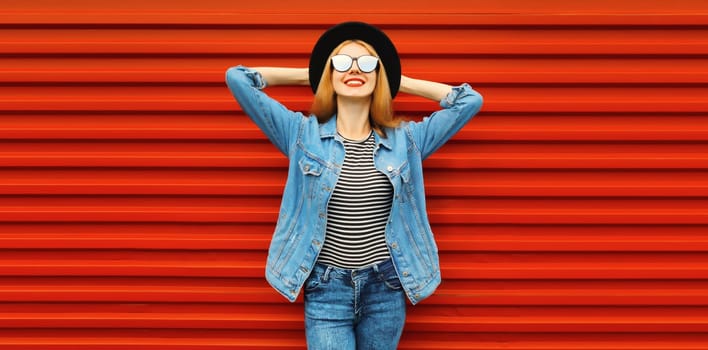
[353, 118]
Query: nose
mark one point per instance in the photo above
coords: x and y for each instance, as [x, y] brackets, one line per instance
[355, 67]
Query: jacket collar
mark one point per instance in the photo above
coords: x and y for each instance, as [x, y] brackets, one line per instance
[329, 129]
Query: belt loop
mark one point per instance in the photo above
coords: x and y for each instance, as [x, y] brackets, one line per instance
[325, 277]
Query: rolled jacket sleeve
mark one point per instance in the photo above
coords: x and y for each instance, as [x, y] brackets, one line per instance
[459, 106]
[277, 122]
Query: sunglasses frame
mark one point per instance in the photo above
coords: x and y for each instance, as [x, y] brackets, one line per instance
[351, 63]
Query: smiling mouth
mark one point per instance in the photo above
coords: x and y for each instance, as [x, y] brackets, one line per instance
[354, 82]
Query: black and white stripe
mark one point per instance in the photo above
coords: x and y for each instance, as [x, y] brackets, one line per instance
[358, 211]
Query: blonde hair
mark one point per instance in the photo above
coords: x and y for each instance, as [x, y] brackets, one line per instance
[324, 106]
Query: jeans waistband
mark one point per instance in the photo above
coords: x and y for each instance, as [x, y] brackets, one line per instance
[374, 269]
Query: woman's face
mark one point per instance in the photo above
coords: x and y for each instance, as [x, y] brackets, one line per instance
[354, 83]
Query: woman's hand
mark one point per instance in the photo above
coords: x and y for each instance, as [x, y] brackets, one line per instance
[424, 88]
[284, 76]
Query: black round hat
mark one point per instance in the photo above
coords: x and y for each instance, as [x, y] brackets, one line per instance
[356, 31]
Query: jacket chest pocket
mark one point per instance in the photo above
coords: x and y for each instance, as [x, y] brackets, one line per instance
[311, 173]
[402, 175]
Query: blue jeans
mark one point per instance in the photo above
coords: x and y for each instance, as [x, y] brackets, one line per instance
[354, 309]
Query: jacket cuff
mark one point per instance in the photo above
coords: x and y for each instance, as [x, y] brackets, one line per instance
[456, 93]
[254, 76]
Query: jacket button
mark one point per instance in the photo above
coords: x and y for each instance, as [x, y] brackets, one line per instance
[394, 245]
[405, 274]
[307, 168]
[389, 168]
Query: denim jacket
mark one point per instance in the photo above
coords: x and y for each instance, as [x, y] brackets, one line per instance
[316, 153]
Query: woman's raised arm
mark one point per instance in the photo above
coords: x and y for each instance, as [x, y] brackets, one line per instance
[424, 88]
[283, 76]
[276, 121]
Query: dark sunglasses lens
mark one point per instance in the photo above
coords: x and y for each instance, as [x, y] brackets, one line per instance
[367, 64]
[341, 63]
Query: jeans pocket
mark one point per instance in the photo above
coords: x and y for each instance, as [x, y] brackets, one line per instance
[317, 280]
[313, 282]
[391, 280]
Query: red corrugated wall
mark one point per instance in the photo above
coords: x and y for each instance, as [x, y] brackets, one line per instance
[137, 201]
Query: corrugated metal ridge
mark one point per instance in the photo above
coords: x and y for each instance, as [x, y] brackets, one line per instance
[494, 41]
[140, 18]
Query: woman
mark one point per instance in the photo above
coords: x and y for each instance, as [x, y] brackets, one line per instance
[353, 231]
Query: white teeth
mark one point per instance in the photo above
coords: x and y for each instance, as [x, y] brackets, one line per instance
[354, 83]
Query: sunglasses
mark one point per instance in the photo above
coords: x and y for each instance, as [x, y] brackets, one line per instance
[366, 63]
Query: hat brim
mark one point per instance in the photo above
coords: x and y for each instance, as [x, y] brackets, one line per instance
[355, 31]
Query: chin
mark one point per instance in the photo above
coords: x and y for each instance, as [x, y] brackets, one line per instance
[357, 92]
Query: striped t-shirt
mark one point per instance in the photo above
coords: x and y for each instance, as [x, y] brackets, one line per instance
[358, 210]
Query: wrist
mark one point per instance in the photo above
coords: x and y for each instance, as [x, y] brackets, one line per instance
[405, 86]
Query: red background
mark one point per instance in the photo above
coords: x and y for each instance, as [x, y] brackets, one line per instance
[137, 201]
